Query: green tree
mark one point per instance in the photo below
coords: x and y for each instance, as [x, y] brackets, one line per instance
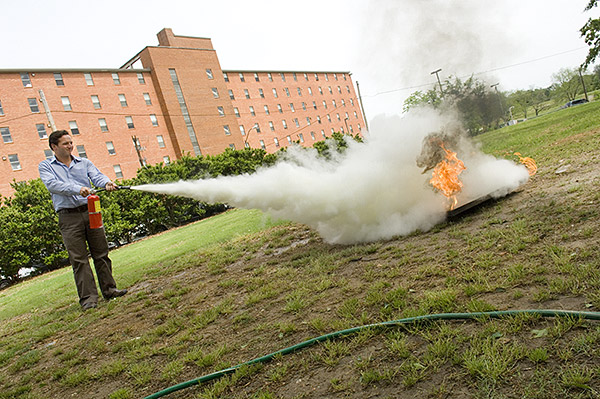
[566, 83]
[591, 35]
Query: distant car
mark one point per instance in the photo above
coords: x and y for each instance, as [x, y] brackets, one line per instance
[575, 102]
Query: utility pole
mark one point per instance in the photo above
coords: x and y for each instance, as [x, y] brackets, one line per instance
[47, 110]
[438, 79]
[495, 86]
[361, 106]
[583, 84]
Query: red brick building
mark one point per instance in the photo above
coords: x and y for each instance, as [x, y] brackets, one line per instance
[168, 100]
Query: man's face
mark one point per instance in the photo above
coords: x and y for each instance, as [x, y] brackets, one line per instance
[64, 147]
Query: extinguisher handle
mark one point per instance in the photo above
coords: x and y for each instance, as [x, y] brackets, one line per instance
[99, 190]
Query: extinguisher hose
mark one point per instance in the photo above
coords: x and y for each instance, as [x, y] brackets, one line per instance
[99, 190]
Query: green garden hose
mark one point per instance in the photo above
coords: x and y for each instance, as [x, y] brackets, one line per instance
[409, 320]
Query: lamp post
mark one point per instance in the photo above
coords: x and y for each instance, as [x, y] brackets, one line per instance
[437, 71]
[248, 134]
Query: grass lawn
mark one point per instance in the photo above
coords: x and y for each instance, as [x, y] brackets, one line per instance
[231, 288]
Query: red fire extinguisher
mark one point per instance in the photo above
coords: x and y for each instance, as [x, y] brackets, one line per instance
[94, 211]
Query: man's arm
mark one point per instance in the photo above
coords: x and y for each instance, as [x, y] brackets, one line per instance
[98, 178]
[53, 184]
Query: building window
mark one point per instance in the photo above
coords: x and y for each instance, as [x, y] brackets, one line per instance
[301, 137]
[103, 125]
[295, 77]
[14, 161]
[261, 93]
[1, 110]
[308, 120]
[296, 122]
[147, 99]
[343, 103]
[161, 141]
[276, 141]
[209, 73]
[25, 79]
[48, 154]
[284, 123]
[318, 119]
[5, 133]
[122, 100]
[348, 89]
[96, 102]
[303, 105]
[279, 108]
[271, 126]
[287, 91]
[355, 115]
[329, 118]
[59, 79]
[231, 96]
[289, 139]
[41, 129]
[339, 90]
[115, 78]
[274, 92]
[166, 160]
[257, 126]
[221, 111]
[66, 103]
[33, 105]
[242, 130]
[306, 77]
[326, 77]
[282, 76]
[242, 77]
[316, 77]
[270, 76]
[310, 91]
[225, 76]
[141, 79]
[300, 92]
[312, 135]
[323, 134]
[88, 79]
[333, 103]
[314, 105]
[330, 91]
[184, 110]
[347, 117]
[236, 112]
[110, 148]
[338, 117]
[154, 120]
[226, 130]
[129, 121]
[74, 128]
[118, 171]
[266, 109]
[262, 145]
[324, 104]
[256, 77]
[352, 102]
[232, 146]
[215, 92]
[320, 90]
[81, 151]
[292, 107]
[247, 94]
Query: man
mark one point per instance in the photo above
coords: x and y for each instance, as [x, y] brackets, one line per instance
[68, 179]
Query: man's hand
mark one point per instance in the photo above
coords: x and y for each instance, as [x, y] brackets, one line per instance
[85, 191]
[110, 186]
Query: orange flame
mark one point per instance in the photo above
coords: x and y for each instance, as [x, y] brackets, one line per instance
[529, 164]
[445, 176]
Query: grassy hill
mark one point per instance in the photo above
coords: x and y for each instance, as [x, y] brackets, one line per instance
[238, 286]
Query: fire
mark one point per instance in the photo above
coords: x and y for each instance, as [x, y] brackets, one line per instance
[445, 176]
[529, 163]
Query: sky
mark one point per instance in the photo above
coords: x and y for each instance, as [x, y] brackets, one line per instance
[390, 46]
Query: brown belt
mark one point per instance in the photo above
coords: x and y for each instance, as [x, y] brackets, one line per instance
[79, 209]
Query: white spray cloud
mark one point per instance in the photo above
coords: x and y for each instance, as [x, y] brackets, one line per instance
[372, 191]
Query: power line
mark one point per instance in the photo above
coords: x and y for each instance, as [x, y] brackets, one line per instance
[477, 73]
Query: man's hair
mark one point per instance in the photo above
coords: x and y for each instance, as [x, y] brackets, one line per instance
[55, 136]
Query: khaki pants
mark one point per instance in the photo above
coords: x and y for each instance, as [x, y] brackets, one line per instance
[76, 232]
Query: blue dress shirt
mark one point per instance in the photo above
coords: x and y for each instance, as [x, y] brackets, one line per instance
[64, 182]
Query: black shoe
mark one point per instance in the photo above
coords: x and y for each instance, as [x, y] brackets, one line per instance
[115, 294]
[88, 306]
